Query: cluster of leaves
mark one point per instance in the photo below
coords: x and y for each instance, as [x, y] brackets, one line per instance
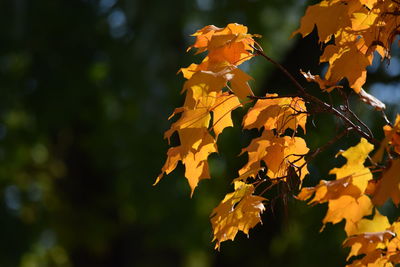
[351, 31]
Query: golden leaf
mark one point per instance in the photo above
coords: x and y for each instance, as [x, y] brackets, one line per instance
[354, 166]
[224, 105]
[278, 153]
[345, 196]
[328, 190]
[280, 114]
[349, 208]
[378, 224]
[238, 211]
[322, 83]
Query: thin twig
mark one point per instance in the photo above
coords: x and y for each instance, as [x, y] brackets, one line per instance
[314, 153]
[323, 105]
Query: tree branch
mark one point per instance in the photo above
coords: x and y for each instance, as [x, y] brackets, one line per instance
[312, 99]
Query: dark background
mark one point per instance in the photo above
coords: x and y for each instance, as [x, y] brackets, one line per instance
[86, 87]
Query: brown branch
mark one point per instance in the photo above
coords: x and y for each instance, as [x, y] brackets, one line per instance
[325, 107]
[347, 108]
[313, 154]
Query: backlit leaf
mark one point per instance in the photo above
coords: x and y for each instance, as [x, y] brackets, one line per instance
[389, 185]
[279, 114]
[238, 211]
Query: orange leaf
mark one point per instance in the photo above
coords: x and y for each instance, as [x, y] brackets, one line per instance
[239, 83]
[393, 134]
[346, 194]
[231, 44]
[279, 114]
[323, 84]
[348, 63]
[222, 109]
[370, 245]
[349, 208]
[328, 15]
[389, 185]
[328, 190]
[196, 146]
[278, 153]
[238, 211]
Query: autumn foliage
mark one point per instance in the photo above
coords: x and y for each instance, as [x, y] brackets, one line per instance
[350, 32]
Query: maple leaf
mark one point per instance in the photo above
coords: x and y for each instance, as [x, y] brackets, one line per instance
[323, 84]
[345, 196]
[278, 153]
[349, 62]
[238, 211]
[232, 43]
[192, 69]
[368, 244]
[280, 114]
[351, 179]
[193, 155]
[329, 16]
[250, 173]
[239, 82]
[393, 248]
[328, 190]
[200, 85]
[228, 47]
[358, 27]
[354, 166]
[351, 31]
[378, 224]
[349, 208]
[393, 134]
[190, 119]
[375, 241]
[389, 185]
[224, 105]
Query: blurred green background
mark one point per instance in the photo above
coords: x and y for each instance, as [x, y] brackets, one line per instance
[86, 87]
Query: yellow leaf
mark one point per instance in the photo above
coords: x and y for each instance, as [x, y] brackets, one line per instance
[328, 15]
[279, 114]
[205, 82]
[345, 196]
[363, 19]
[196, 146]
[354, 167]
[349, 208]
[231, 44]
[238, 211]
[278, 153]
[378, 224]
[239, 82]
[222, 109]
[347, 63]
[170, 164]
